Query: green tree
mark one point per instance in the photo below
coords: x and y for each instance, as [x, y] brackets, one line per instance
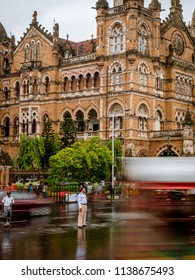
[31, 152]
[69, 132]
[51, 143]
[89, 160]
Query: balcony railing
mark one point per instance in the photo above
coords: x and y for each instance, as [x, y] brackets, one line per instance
[31, 64]
[166, 133]
[78, 59]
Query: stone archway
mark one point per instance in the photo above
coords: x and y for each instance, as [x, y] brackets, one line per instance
[167, 151]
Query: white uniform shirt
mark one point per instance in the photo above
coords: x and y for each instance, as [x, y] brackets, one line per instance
[82, 199]
[7, 201]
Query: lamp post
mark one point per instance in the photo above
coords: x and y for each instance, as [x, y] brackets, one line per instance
[112, 154]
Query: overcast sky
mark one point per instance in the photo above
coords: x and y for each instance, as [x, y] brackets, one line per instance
[75, 17]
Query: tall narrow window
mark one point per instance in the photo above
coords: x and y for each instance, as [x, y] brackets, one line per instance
[38, 51]
[46, 85]
[143, 39]
[116, 40]
[17, 89]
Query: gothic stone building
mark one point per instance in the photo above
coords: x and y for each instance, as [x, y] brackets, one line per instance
[139, 71]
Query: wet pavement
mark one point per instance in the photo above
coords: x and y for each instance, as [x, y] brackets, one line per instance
[117, 230]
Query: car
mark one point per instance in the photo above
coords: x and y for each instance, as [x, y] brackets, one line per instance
[175, 195]
[27, 204]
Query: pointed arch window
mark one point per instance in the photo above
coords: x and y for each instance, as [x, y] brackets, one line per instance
[143, 115]
[45, 118]
[27, 53]
[65, 84]
[34, 126]
[96, 80]
[17, 89]
[16, 127]
[6, 94]
[143, 40]
[46, 85]
[159, 124]
[33, 51]
[73, 83]
[116, 40]
[26, 87]
[81, 82]
[6, 127]
[88, 81]
[35, 87]
[38, 51]
[116, 77]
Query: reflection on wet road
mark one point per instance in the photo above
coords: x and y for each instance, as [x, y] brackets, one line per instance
[122, 229]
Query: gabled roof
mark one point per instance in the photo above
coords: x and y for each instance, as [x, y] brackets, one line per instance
[175, 20]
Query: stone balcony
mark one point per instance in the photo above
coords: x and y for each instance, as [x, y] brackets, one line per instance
[166, 134]
[31, 64]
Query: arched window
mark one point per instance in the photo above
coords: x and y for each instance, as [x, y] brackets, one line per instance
[143, 115]
[117, 111]
[17, 89]
[143, 39]
[73, 83]
[159, 125]
[93, 122]
[80, 121]
[143, 75]
[88, 81]
[26, 87]
[81, 82]
[96, 80]
[33, 51]
[116, 76]
[34, 126]
[35, 87]
[117, 39]
[67, 115]
[45, 118]
[27, 53]
[6, 94]
[65, 84]
[16, 127]
[46, 85]
[38, 51]
[6, 127]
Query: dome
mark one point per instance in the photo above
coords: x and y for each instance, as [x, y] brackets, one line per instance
[3, 33]
[102, 4]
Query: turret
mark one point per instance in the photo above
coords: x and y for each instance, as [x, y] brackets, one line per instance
[101, 7]
[176, 8]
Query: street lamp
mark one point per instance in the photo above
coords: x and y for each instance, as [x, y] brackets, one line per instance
[112, 154]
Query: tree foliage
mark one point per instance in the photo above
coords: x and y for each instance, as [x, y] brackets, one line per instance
[89, 160]
[31, 152]
[69, 132]
[51, 143]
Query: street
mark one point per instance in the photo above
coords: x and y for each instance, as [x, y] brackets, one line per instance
[117, 230]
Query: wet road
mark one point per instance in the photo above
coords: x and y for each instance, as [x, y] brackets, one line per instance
[125, 229]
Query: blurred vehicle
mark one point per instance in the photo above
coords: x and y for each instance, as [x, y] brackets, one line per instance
[175, 195]
[27, 204]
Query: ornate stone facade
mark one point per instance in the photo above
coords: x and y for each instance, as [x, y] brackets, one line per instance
[139, 68]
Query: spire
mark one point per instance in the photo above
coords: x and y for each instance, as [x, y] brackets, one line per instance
[192, 27]
[176, 7]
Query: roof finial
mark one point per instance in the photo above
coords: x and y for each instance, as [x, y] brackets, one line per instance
[34, 17]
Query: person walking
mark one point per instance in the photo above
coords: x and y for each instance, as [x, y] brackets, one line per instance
[7, 208]
[82, 206]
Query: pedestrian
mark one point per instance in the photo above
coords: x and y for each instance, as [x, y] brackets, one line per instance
[82, 207]
[7, 208]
